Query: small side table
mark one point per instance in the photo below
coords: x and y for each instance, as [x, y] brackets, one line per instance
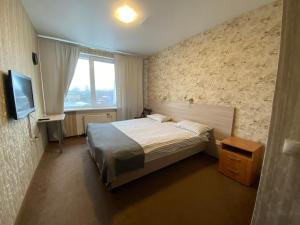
[240, 159]
[58, 119]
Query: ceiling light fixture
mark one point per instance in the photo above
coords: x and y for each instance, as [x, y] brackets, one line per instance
[126, 14]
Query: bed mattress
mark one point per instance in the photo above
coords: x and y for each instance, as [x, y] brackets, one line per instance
[159, 139]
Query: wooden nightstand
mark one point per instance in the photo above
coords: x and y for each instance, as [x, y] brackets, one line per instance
[240, 159]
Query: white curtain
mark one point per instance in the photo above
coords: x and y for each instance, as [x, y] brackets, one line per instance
[58, 63]
[129, 85]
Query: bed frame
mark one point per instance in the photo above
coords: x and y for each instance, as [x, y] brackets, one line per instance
[218, 117]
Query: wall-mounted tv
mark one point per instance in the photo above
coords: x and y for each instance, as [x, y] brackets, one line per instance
[20, 95]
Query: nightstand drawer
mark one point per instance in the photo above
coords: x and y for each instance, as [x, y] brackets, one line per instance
[232, 159]
[238, 174]
[233, 165]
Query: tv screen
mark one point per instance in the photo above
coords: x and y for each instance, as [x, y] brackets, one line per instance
[21, 96]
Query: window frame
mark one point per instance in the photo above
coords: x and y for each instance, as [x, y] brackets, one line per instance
[92, 58]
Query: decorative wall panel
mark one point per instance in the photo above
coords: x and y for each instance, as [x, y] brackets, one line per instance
[19, 154]
[233, 64]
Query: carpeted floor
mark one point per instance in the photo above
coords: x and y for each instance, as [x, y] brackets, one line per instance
[66, 190]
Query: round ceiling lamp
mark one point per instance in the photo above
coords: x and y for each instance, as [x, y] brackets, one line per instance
[127, 12]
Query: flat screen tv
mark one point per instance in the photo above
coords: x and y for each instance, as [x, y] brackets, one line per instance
[20, 99]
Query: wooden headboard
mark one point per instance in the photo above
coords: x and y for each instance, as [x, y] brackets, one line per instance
[218, 117]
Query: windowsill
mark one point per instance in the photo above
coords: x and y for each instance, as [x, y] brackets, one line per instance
[91, 109]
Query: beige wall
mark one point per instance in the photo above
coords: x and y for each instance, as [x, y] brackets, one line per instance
[19, 155]
[233, 64]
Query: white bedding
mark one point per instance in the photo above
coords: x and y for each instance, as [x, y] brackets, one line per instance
[158, 139]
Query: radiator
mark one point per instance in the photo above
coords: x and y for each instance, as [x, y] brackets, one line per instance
[76, 122]
[70, 124]
[100, 118]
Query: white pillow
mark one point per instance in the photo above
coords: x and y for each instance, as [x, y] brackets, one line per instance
[158, 117]
[194, 127]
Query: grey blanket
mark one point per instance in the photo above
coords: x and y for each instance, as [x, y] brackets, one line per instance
[114, 152]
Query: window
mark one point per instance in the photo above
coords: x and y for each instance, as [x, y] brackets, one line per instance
[93, 84]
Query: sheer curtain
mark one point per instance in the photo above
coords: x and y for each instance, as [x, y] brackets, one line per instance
[58, 62]
[129, 85]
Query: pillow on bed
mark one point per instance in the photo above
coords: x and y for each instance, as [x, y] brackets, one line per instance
[194, 127]
[158, 117]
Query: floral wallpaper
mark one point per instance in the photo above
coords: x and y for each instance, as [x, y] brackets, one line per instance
[233, 64]
[19, 154]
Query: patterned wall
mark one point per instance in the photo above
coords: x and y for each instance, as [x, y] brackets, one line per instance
[145, 81]
[233, 64]
[19, 155]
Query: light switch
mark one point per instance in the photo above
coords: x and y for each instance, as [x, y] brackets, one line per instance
[291, 147]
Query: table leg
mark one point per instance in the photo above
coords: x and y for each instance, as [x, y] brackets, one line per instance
[62, 132]
[60, 136]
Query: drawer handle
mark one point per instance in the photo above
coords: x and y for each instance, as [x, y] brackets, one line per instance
[233, 171]
[233, 158]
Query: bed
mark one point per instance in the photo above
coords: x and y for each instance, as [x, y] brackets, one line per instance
[127, 150]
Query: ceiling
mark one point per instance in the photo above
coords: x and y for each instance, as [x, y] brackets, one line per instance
[165, 23]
